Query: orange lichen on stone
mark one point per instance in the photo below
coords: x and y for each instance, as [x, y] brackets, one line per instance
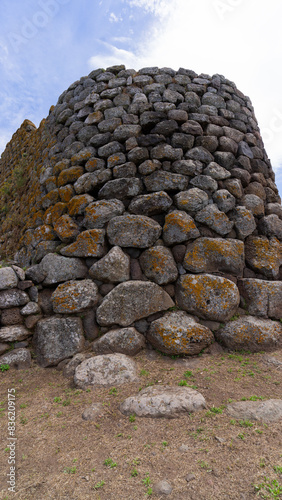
[70, 175]
[77, 204]
[66, 193]
[66, 228]
[88, 244]
[50, 199]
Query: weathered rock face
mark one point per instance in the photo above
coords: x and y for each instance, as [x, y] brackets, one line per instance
[57, 339]
[168, 402]
[215, 254]
[151, 185]
[264, 411]
[179, 333]
[131, 301]
[209, 297]
[252, 334]
[123, 340]
[105, 370]
[74, 296]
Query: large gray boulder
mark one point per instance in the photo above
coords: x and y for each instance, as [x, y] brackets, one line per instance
[18, 358]
[105, 370]
[207, 296]
[212, 217]
[123, 340]
[163, 401]
[8, 278]
[74, 296]
[58, 269]
[57, 339]
[264, 411]
[215, 255]
[150, 204]
[133, 231]
[191, 201]
[131, 301]
[113, 268]
[178, 333]
[251, 333]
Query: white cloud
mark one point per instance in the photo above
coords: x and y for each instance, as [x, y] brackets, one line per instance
[112, 56]
[160, 8]
[114, 19]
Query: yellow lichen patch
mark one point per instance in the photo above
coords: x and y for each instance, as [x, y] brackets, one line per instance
[66, 228]
[61, 165]
[43, 233]
[37, 219]
[57, 211]
[264, 255]
[215, 254]
[81, 157]
[70, 175]
[66, 193]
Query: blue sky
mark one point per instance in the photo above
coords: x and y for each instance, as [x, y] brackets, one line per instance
[45, 45]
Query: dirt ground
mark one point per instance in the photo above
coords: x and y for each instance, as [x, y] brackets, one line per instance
[204, 456]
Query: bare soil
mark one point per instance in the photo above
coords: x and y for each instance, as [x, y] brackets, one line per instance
[61, 456]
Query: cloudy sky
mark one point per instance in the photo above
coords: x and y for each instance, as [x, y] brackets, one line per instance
[45, 45]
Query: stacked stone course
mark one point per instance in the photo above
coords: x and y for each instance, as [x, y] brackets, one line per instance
[156, 217]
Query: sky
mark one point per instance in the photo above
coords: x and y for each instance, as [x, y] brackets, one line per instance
[45, 45]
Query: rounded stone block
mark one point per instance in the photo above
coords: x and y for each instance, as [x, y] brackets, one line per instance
[113, 268]
[207, 296]
[90, 243]
[74, 296]
[133, 231]
[57, 269]
[124, 340]
[262, 298]
[251, 333]
[98, 213]
[8, 278]
[164, 401]
[105, 370]
[208, 255]
[179, 227]
[263, 255]
[131, 301]
[158, 265]
[178, 333]
[57, 339]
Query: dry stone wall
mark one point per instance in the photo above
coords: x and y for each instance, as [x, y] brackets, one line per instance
[150, 214]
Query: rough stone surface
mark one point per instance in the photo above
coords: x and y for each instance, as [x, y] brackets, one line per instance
[11, 316]
[74, 296]
[178, 333]
[57, 339]
[215, 255]
[98, 213]
[179, 227]
[158, 265]
[133, 231]
[159, 402]
[8, 278]
[131, 301]
[162, 488]
[13, 333]
[263, 411]
[18, 358]
[215, 219]
[70, 366]
[150, 204]
[262, 298]
[251, 333]
[264, 255]
[191, 201]
[13, 298]
[123, 340]
[105, 370]
[113, 268]
[209, 297]
[58, 269]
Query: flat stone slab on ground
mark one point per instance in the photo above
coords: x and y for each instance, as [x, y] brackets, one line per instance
[163, 401]
[105, 370]
[266, 411]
